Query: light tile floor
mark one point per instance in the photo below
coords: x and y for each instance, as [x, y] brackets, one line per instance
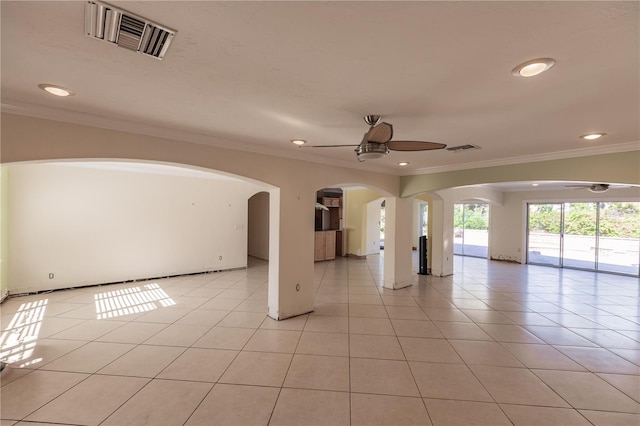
[496, 343]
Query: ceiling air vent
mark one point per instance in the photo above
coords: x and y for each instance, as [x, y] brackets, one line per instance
[462, 148]
[116, 26]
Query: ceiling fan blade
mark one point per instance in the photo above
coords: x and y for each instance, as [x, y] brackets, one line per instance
[577, 186]
[325, 146]
[382, 133]
[414, 145]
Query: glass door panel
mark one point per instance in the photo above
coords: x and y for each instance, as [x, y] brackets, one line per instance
[471, 229]
[544, 237]
[476, 230]
[579, 240]
[619, 242]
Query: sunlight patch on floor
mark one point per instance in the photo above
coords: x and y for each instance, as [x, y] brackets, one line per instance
[19, 339]
[131, 301]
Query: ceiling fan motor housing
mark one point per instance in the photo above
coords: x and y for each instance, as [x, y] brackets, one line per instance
[371, 150]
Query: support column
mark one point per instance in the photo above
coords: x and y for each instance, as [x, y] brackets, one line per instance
[441, 250]
[398, 271]
[291, 242]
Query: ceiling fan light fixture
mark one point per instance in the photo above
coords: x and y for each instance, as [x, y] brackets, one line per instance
[298, 142]
[371, 151]
[599, 187]
[592, 136]
[56, 90]
[533, 67]
[403, 163]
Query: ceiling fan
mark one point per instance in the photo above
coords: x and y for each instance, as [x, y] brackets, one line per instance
[596, 187]
[376, 142]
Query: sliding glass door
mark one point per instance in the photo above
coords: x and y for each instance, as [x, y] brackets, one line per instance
[544, 240]
[594, 236]
[619, 242]
[580, 225]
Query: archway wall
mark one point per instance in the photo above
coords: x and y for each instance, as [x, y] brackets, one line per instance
[292, 185]
[619, 167]
[440, 249]
[507, 219]
[34, 139]
[505, 235]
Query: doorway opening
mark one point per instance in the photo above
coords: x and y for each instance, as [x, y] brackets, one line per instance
[382, 224]
[471, 229]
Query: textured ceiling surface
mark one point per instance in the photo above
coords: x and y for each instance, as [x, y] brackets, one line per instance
[254, 75]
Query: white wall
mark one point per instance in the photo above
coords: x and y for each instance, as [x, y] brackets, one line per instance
[92, 225]
[292, 186]
[258, 227]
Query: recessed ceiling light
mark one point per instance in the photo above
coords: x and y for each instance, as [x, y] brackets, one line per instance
[533, 67]
[298, 142]
[592, 136]
[56, 90]
[403, 163]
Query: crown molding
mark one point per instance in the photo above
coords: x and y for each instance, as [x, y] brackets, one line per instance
[39, 111]
[558, 155]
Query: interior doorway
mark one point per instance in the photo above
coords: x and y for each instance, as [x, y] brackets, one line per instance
[381, 223]
[258, 226]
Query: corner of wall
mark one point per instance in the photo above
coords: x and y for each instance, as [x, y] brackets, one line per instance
[4, 231]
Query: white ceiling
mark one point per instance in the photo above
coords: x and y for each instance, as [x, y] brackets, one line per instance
[253, 75]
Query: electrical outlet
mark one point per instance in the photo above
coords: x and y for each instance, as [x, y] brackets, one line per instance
[51, 275]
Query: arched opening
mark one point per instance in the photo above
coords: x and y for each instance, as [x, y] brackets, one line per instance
[258, 226]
